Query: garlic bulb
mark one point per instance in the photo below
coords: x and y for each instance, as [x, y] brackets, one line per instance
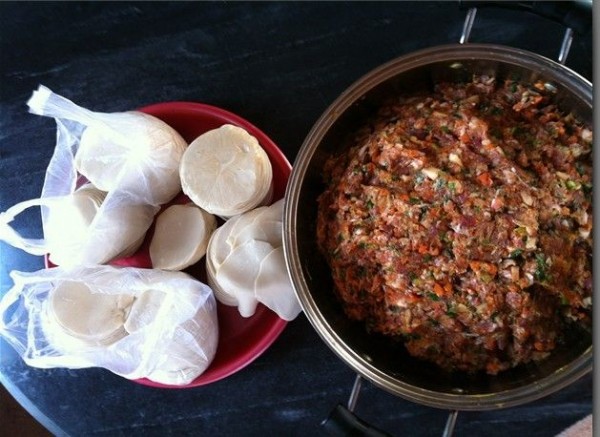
[226, 172]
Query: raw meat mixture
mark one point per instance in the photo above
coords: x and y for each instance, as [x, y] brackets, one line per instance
[461, 223]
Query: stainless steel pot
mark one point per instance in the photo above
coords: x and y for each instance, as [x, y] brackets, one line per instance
[375, 358]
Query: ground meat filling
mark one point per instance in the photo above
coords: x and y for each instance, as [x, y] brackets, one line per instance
[460, 222]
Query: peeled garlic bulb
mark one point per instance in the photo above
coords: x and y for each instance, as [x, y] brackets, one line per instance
[181, 236]
[94, 318]
[226, 172]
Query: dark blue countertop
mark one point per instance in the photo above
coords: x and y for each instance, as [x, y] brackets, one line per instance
[278, 65]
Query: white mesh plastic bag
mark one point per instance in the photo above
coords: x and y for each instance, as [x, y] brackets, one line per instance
[137, 323]
[130, 156]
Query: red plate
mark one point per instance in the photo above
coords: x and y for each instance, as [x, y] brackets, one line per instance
[241, 340]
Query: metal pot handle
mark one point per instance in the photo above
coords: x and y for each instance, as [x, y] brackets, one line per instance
[575, 16]
[342, 422]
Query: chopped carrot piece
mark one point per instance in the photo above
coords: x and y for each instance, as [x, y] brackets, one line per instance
[411, 298]
[485, 179]
[422, 248]
[493, 367]
[412, 153]
[483, 267]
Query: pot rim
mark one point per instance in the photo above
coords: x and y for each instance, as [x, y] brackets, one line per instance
[576, 85]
